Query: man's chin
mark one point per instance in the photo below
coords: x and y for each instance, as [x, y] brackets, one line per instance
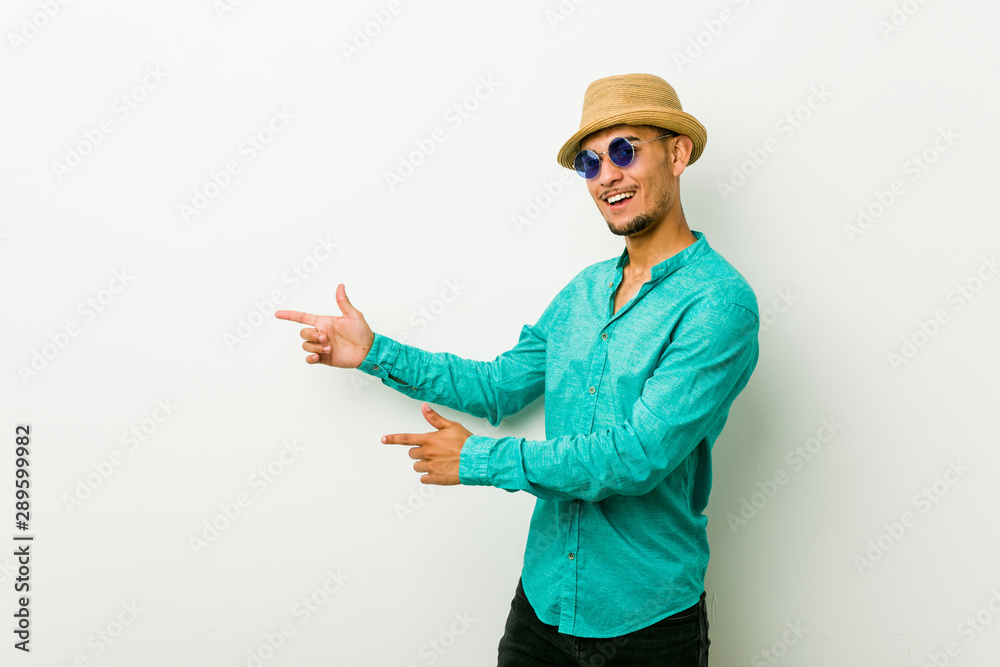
[618, 231]
[639, 223]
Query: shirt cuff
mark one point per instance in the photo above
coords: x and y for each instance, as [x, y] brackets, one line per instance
[474, 461]
[380, 358]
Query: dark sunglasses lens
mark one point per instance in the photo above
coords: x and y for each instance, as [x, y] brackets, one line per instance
[621, 152]
[587, 164]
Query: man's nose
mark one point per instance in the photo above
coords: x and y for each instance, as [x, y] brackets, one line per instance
[610, 173]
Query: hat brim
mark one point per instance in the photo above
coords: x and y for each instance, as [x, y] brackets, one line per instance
[669, 119]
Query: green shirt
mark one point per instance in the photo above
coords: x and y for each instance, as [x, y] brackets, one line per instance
[634, 401]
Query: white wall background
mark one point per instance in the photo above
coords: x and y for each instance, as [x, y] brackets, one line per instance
[870, 547]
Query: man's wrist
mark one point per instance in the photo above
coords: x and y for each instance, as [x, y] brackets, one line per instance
[368, 351]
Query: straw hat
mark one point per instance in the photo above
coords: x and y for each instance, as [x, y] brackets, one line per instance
[633, 99]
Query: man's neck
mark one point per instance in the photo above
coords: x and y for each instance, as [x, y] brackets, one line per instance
[645, 252]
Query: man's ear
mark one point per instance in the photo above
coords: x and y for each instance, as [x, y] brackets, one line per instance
[680, 154]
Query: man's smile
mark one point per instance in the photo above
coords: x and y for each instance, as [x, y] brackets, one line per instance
[616, 201]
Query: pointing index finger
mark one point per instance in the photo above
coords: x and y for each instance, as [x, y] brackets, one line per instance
[296, 316]
[404, 439]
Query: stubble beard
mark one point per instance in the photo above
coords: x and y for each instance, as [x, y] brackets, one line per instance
[642, 221]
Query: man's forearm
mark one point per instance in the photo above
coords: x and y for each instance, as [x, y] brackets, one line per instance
[486, 389]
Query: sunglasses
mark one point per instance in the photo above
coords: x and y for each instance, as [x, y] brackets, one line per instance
[620, 151]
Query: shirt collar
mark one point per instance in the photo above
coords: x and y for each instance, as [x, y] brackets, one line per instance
[671, 264]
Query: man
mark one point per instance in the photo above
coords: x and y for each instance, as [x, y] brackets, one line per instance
[639, 358]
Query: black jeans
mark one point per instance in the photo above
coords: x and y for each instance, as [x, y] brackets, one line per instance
[680, 640]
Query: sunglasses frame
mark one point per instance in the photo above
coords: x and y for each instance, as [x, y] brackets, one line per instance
[597, 156]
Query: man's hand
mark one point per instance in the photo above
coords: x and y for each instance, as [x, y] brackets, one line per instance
[438, 452]
[341, 341]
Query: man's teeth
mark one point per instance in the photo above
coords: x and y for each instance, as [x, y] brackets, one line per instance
[624, 195]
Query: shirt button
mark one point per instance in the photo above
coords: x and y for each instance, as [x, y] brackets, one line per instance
[572, 556]
[592, 390]
[375, 367]
[604, 336]
[611, 283]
